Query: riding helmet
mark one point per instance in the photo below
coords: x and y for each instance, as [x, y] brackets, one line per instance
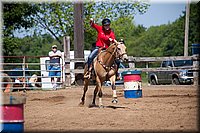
[106, 21]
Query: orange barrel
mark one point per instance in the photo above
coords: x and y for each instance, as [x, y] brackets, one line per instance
[13, 115]
[132, 84]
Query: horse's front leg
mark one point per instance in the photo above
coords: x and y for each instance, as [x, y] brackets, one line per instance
[94, 96]
[99, 90]
[112, 80]
[100, 94]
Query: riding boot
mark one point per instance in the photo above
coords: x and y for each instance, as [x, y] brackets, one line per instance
[117, 74]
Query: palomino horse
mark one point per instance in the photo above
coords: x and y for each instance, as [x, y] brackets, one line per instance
[105, 69]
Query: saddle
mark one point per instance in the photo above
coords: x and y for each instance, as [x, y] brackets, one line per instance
[92, 72]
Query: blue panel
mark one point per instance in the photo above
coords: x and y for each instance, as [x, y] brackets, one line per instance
[132, 93]
[13, 127]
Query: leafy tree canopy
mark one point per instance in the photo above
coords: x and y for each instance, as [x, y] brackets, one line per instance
[168, 39]
[16, 16]
[57, 18]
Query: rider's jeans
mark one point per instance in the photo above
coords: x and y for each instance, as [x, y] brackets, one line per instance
[92, 55]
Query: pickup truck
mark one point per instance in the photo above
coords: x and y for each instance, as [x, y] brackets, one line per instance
[169, 74]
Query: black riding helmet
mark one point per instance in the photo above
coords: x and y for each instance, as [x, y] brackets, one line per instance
[106, 21]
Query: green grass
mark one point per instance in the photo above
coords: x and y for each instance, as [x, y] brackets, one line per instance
[144, 77]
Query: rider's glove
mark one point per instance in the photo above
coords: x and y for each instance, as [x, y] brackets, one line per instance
[110, 39]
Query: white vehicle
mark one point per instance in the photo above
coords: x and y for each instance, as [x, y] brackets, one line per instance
[44, 63]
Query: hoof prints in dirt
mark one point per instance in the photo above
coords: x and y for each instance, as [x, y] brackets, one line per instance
[50, 99]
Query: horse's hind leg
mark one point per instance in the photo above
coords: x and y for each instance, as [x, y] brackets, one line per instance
[100, 94]
[86, 83]
[99, 91]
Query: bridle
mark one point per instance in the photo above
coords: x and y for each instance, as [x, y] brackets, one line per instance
[121, 55]
[115, 54]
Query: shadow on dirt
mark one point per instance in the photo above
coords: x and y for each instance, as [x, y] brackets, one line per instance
[166, 96]
[110, 106]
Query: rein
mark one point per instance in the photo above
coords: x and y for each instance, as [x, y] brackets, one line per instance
[106, 67]
[122, 54]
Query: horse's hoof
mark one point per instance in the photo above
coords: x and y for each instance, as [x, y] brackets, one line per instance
[92, 105]
[115, 101]
[81, 103]
[101, 106]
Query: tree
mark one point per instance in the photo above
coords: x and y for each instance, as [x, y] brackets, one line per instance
[57, 18]
[167, 40]
[17, 16]
[194, 25]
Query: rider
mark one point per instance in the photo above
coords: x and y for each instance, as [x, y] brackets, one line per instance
[104, 39]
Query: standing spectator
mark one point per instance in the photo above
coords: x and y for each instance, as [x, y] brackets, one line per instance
[55, 70]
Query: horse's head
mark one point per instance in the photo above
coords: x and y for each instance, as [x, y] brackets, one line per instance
[121, 51]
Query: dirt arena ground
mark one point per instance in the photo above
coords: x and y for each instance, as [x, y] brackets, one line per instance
[162, 108]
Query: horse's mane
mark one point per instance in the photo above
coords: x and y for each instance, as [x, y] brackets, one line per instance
[110, 47]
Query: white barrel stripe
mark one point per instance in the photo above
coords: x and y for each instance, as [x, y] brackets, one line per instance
[132, 86]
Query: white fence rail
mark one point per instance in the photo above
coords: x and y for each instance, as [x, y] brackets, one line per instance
[26, 67]
[19, 71]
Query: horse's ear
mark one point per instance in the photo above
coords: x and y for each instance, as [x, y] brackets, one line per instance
[121, 41]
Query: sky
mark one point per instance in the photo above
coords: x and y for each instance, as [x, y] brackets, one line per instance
[160, 13]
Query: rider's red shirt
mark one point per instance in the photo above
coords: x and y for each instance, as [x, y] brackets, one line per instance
[103, 36]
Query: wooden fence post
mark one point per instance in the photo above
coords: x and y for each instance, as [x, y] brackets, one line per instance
[196, 72]
[147, 66]
[78, 30]
[24, 72]
[78, 39]
[66, 43]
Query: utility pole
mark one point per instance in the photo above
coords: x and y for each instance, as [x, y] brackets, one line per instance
[186, 28]
[78, 30]
[78, 39]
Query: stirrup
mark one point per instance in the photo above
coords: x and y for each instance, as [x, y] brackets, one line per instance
[87, 75]
[118, 77]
